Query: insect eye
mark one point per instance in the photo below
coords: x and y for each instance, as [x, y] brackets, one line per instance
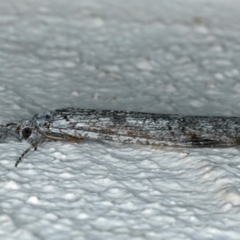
[47, 117]
[26, 132]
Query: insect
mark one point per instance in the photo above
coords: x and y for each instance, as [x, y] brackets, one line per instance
[75, 124]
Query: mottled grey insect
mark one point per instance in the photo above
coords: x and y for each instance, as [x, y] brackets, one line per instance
[74, 124]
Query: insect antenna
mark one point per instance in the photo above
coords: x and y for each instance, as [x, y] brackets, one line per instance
[34, 146]
[23, 154]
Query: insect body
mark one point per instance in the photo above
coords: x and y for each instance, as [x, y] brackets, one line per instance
[74, 124]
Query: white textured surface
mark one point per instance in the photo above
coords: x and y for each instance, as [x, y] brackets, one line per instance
[143, 55]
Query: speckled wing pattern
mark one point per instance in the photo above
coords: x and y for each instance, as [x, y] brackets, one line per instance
[142, 128]
[75, 124]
